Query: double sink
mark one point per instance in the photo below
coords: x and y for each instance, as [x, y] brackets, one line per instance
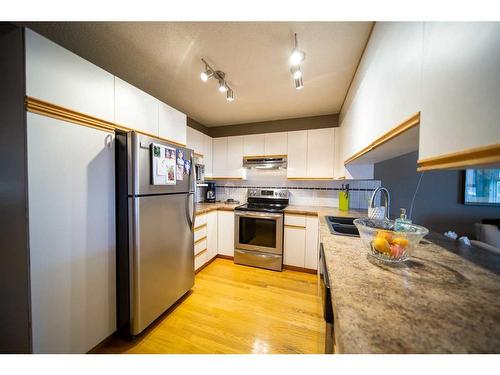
[342, 226]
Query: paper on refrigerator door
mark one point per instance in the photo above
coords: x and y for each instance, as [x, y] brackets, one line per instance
[163, 165]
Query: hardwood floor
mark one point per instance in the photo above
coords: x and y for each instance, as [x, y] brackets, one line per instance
[238, 309]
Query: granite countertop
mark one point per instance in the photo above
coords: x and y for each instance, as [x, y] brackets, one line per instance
[323, 211]
[443, 300]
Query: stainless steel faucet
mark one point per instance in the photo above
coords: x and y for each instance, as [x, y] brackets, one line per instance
[387, 199]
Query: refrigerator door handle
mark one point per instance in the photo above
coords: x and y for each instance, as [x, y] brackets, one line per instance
[191, 213]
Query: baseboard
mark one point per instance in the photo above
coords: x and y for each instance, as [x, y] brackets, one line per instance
[206, 264]
[228, 257]
[299, 269]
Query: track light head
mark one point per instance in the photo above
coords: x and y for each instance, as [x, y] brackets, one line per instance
[222, 86]
[206, 75]
[299, 84]
[230, 95]
[296, 72]
[297, 55]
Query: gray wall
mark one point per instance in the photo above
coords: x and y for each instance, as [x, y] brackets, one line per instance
[15, 329]
[438, 202]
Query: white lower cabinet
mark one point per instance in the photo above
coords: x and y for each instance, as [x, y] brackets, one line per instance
[301, 241]
[205, 238]
[212, 235]
[225, 230]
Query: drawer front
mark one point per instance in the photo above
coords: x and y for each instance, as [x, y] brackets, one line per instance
[200, 246]
[200, 220]
[295, 220]
[258, 259]
[200, 232]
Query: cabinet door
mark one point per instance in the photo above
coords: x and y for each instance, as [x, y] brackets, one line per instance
[312, 244]
[295, 245]
[297, 154]
[225, 236]
[219, 147]
[320, 153]
[135, 108]
[235, 156]
[276, 143]
[207, 155]
[460, 87]
[195, 141]
[171, 124]
[72, 235]
[212, 234]
[253, 145]
[58, 76]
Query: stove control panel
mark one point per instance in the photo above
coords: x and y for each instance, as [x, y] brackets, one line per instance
[268, 193]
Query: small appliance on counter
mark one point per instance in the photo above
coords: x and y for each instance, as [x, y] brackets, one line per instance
[210, 196]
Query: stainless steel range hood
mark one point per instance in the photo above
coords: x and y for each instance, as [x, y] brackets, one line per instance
[264, 162]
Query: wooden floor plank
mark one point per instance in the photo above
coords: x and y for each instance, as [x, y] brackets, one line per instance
[238, 309]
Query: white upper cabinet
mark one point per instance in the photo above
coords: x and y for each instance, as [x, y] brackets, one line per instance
[134, 108]
[195, 140]
[235, 156]
[386, 89]
[219, 162]
[207, 155]
[253, 145]
[171, 124]
[320, 153]
[460, 87]
[60, 77]
[297, 154]
[275, 143]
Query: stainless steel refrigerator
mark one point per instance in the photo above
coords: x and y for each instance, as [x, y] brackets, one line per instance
[155, 257]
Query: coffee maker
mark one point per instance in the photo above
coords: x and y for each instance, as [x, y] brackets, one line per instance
[210, 193]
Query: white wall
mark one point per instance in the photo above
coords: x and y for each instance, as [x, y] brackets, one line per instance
[72, 235]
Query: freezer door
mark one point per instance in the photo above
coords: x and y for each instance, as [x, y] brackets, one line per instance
[162, 255]
[140, 171]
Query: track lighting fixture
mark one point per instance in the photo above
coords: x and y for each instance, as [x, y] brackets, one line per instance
[296, 58]
[209, 72]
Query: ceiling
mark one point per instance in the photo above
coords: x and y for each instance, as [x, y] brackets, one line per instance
[163, 59]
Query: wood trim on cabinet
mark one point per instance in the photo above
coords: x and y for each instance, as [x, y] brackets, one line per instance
[44, 108]
[228, 257]
[198, 154]
[200, 252]
[470, 157]
[299, 269]
[200, 227]
[295, 226]
[200, 240]
[386, 137]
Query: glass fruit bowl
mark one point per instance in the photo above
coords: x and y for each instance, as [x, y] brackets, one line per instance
[386, 244]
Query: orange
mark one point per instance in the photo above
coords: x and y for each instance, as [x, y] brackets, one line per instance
[381, 245]
[384, 234]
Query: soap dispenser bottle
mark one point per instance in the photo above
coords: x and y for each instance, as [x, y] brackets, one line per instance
[401, 223]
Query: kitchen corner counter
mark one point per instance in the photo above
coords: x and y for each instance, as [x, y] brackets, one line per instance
[203, 208]
[444, 300]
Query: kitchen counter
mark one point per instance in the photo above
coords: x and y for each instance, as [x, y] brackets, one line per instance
[323, 211]
[203, 208]
[444, 300]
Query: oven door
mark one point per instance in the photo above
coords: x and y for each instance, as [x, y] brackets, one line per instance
[258, 231]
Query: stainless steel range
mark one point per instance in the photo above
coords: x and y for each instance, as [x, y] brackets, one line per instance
[258, 237]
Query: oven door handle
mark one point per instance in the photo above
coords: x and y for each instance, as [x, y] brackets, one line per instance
[258, 215]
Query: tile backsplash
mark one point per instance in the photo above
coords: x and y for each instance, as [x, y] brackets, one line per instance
[308, 193]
